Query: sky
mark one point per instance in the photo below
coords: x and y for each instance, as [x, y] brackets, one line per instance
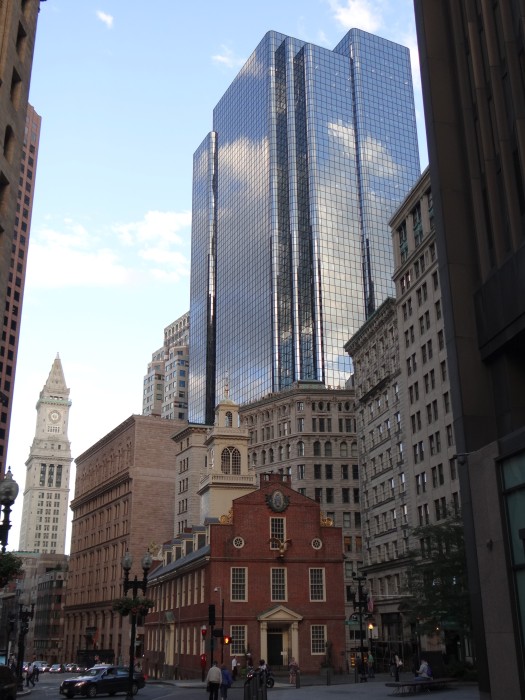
[126, 90]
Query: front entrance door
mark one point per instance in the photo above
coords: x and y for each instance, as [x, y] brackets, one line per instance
[275, 649]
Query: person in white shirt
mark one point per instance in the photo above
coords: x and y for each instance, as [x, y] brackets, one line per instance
[234, 667]
[213, 681]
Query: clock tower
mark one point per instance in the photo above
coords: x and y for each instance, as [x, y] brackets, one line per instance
[46, 492]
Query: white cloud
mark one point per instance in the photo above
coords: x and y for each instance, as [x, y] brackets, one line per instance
[160, 226]
[105, 18]
[361, 14]
[69, 255]
[227, 58]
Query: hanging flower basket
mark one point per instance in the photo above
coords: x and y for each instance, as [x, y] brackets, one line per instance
[137, 606]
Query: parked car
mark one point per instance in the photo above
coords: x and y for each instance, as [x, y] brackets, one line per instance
[8, 683]
[100, 679]
[74, 668]
[42, 666]
[57, 668]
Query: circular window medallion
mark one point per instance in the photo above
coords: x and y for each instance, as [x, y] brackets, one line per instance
[238, 542]
[317, 543]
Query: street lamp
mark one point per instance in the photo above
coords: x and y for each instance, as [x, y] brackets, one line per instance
[219, 590]
[360, 603]
[24, 615]
[8, 493]
[134, 585]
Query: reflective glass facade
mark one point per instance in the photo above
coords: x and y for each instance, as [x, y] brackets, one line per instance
[311, 153]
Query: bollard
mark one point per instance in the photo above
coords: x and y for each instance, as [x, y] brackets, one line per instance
[297, 679]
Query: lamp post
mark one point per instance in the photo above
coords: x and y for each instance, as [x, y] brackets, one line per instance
[24, 615]
[8, 493]
[219, 590]
[360, 603]
[134, 585]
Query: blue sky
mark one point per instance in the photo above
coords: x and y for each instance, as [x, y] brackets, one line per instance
[126, 90]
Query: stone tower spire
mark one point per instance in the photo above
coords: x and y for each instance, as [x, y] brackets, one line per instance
[46, 492]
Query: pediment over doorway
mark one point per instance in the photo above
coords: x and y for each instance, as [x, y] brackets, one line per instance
[279, 613]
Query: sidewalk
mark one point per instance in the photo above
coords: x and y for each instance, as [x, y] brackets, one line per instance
[316, 687]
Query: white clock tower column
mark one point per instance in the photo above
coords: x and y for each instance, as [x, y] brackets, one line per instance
[46, 492]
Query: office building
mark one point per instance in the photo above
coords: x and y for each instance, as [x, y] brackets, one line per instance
[46, 490]
[20, 129]
[472, 68]
[292, 193]
[165, 391]
[124, 501]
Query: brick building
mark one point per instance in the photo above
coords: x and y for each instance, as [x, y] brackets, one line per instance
[124, 497]
[275, 564]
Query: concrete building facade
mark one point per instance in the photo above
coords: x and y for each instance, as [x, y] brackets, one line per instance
[17, 273]
[46, 490]
[472, 69]
[18, 126]
[124, 498]
[165, 390]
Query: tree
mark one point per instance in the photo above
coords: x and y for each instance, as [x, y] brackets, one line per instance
[11, 567]
[437, 576]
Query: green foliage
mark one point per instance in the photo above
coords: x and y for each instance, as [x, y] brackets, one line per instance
[437, 576]
[137, 606]
[11, 567]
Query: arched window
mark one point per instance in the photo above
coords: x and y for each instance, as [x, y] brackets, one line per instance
[288, 453]
[343, 450]
[281, 453]
[300, 449]
[254, 459]
[229, 419]
[317, 448]
[236, 461]
[328, 449]
[263, 457]
[270, 455]
[353, 449]
[230, 461]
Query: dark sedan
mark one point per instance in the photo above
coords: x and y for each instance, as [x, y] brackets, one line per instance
[102, 679]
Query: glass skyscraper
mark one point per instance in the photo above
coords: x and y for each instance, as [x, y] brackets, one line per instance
[311, 152]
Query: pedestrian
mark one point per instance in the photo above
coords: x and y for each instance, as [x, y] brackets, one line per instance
[235, 663]
[30, 675]
[398, 666]
[370, 665]
[226, 681]
[36, 670]
[213, 681]
[293, 667]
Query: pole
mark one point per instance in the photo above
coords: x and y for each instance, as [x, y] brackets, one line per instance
[222, 625]
[131, 668]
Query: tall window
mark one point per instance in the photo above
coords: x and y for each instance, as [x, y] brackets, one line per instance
[229, 419]
[277, 530]
[279, 584]
[238, 644]
[318, 639]
[239, 577]
[230, 461]
[317, 584]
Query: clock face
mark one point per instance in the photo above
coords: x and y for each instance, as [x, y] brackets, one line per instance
[54, 416]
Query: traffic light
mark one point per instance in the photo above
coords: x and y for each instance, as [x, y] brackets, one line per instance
[226, 640]
[211, 614]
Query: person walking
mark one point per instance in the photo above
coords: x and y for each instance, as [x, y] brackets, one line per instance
[36, 670]
[30, 675]
[370, 665]
[293, 667]
[226, 681]
[235, 663]
[213, 681]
